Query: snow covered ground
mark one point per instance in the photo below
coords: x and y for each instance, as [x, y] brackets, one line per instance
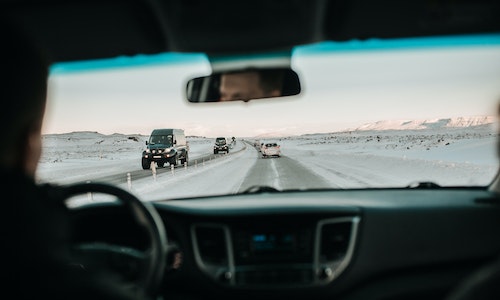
[350, 159]
[457, 156]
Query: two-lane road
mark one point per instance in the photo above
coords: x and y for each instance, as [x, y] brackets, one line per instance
[281, 173]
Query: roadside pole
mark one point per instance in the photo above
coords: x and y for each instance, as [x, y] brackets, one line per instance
[153, 169]
[90, 195]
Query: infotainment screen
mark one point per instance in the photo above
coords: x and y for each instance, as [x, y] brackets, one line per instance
[277, 246]
[273, 242]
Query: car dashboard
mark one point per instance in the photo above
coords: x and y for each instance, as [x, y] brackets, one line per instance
[342, 244]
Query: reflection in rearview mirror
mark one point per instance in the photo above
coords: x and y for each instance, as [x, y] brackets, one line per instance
[243, 85]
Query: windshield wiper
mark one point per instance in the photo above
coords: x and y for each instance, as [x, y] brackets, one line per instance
[423, 185]
[257, 189]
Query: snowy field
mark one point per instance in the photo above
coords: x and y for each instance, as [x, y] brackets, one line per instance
[449, 156]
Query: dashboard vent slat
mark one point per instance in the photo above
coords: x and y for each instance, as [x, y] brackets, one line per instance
[211, 245]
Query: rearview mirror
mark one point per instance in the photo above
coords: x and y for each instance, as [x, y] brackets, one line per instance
[243, 85]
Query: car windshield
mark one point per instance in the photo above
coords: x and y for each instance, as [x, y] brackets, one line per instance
[371, 114]
[161, 139]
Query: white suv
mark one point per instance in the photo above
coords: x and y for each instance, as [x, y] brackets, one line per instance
[270, 149]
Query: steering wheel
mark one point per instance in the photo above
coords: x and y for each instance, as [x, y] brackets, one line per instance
[153, 260]
[482, 284]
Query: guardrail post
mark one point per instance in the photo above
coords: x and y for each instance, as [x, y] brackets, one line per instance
[153, 169]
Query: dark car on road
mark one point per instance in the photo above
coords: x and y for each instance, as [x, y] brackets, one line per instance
[221, 145]
[165, 146]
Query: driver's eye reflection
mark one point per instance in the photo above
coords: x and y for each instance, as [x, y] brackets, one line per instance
[244, 85]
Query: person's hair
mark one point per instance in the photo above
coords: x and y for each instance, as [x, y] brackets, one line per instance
[271, 79]
[25, 68]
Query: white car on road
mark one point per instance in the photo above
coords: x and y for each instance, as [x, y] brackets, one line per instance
[270, 150]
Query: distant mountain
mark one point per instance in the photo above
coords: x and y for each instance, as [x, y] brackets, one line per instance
[79, 134]
[90, 134]
[272, 135]
[459, 122]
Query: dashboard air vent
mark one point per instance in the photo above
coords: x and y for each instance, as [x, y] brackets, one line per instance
[211, 244]
[335, 246]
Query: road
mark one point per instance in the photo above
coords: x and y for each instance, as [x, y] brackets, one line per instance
[281, 173]
[139, 173]
[209, 174]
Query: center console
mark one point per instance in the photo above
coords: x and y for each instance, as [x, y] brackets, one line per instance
[269, 253]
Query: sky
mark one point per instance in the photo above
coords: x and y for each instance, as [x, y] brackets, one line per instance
[344, 86]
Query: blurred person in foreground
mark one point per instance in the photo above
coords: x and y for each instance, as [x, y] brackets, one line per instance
[35, 225]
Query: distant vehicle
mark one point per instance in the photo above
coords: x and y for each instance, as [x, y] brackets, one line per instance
[221, 145]
[270, 150]
[165, 146]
